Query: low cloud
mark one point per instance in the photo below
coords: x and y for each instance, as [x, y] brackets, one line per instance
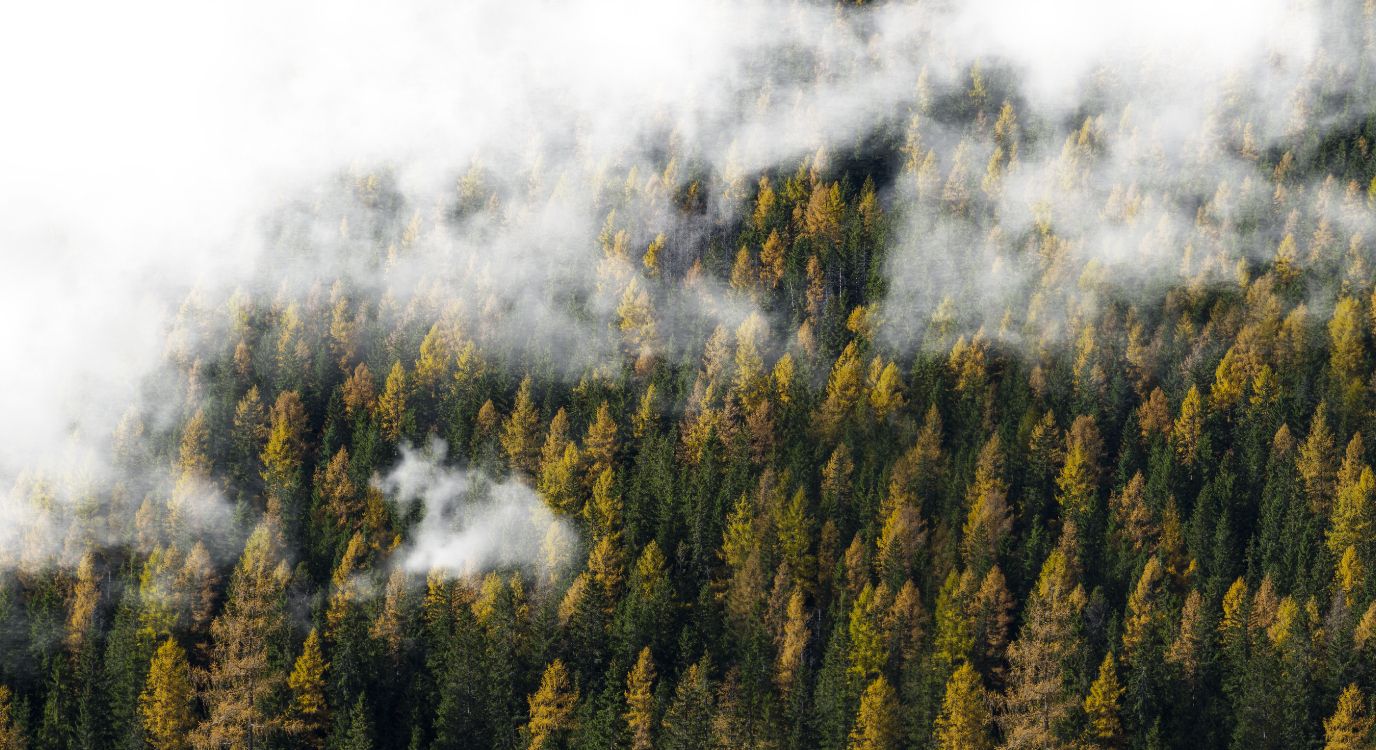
[160, 143]
[470, 522]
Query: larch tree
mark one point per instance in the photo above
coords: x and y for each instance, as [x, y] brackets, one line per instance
[772, 260]
[1188, 428]
[1349, 728]
[600, 444]
[1077, 483]
[885, 391]
[342, 502]
[1317, 462]
[792, 643]
[1105, 727]
[744, 272]
[989, 518]
[964, 722]
[1037, 704]
[765, 201]
[1354, 515]
[1144, 619]
[307, 684]
[520, 431]
[81, 615]
[392, 410]
[360, 393]
[991, 616]
[876, 721]
[284, 454]
[244, 685]
[1346, 332]
[845, 387]
[552, 717]
[640, 701]
[166, 702]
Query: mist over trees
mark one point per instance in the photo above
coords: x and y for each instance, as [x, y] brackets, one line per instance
[983, 422]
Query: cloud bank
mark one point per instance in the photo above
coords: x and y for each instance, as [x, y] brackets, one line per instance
[161, 148]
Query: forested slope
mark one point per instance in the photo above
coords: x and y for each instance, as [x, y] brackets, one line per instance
[834, 454]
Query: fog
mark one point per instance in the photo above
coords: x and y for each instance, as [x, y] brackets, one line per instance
[151, 143]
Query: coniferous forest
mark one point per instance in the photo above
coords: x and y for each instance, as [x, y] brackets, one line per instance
[838, 450]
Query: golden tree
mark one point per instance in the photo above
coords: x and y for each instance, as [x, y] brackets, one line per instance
[964, 721]
[391, 405]
[242, 685]
[520, 431]
[307, 683]
[1349, 728]
[876, 722]
[551, 709]
[640, 701]
[1105, 728]
[165, 704]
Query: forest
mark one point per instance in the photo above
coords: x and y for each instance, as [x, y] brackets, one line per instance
[833, 453]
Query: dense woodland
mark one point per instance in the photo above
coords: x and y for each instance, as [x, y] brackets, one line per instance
[805, 515]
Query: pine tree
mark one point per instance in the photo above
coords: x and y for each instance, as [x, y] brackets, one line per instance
[249, 436]
[360, 735]
[687, 722]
